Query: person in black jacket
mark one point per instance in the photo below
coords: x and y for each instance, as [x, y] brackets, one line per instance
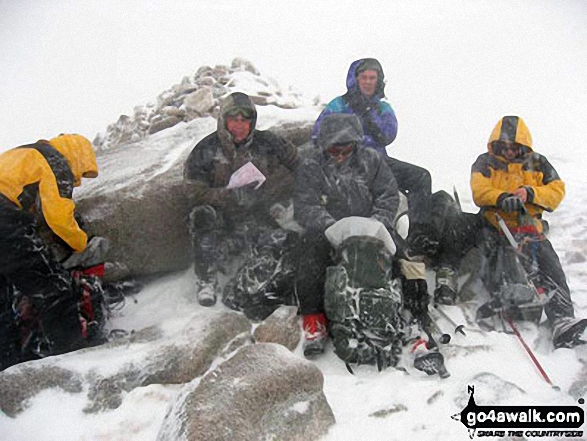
[228, 217]
[341, 179]
[36, 188]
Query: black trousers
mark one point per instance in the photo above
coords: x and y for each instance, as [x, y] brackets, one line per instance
[27, 268]
[313, 256]
[217, 235]
[416, 184]
[468, 230]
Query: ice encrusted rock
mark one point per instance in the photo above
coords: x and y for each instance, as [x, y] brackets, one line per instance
[262, 393]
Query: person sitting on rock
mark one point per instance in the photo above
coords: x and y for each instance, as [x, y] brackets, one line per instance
[514, 184]
[231, 215]
[365, 99]
[341, 179]
[36, 188]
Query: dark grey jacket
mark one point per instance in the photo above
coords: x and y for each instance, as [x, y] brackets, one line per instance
[216, 157]
[362, 186]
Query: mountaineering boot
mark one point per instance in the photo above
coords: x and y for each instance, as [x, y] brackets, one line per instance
[314, 326]
[428, 360]
[567, 332]
[206, 293]
[446, 286]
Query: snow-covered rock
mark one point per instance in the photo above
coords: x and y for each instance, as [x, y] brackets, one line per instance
[138, 199]
[262, 392]
[280, 327]
[198, 96]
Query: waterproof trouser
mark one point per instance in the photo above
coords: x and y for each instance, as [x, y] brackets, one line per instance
[416, 184]
[313, 256]
[27, 268]
[468, 230]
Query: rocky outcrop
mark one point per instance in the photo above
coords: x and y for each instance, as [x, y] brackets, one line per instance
[145, 358]
[196, 96]
[262, 392]
[138, 200]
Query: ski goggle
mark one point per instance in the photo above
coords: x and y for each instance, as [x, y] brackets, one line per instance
[340, 150]
[244, 112]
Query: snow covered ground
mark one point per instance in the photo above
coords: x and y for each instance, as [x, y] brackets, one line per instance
[453, 68]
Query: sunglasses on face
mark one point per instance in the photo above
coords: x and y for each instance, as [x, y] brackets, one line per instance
[242, 111]
[340, 149]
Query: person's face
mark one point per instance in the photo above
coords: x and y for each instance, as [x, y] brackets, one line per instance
[339, 153]
[239, 127]
[509, 150]
[367, 81]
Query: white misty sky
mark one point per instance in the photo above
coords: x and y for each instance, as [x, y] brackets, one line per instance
[453, 67]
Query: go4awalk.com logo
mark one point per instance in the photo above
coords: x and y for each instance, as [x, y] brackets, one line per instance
[521, 421]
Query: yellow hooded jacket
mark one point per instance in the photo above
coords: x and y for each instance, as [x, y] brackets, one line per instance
[25, 167]
[493, 178]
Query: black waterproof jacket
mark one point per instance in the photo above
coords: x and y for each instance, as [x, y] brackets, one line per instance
[325, 192]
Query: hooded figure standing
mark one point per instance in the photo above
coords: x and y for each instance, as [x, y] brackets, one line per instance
[36, 187]
[365, 99]
[231, 219]
[517, 184]
[339, 180]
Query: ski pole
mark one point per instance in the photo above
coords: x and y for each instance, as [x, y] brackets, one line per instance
[443, 337]
[458, 328]
[530, 353]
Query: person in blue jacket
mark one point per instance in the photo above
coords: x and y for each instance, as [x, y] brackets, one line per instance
[365, 99]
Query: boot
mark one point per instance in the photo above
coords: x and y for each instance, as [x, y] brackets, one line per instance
[314, 326]
[446, 286]
[206, 293]
[567, 332]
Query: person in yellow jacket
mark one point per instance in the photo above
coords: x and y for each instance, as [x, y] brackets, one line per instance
[36, 187]
[513, 182]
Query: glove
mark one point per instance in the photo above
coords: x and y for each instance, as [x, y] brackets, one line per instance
[416, 297]
[512, 203]
[245, 196]
[360, 103]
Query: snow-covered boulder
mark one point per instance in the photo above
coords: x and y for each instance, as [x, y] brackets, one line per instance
[262, 392]
[144, 358]
[198, 95]
[138, 200]
[280, 327]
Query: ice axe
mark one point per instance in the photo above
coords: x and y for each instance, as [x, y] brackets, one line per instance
[459, 329]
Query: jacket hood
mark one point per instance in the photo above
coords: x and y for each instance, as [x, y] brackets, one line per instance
[236, 100]
[339, 128]
[361, 65]
[80, 156]
[513, 129]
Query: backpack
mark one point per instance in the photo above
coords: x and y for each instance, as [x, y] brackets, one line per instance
[362, 303]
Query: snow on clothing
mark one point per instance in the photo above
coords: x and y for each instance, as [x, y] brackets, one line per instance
[49, 170]
[377, 116]
[36, 184]
[325, 192]
[218, 224]
[216, 157]
[493, 179]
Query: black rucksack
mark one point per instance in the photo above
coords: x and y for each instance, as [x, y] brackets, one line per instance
[362, 303]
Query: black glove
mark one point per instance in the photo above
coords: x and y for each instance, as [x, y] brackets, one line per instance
[359, 103]
[512, 203]
[245, 196]
[416, 297]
